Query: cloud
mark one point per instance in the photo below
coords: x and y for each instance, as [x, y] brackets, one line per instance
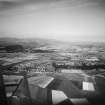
[12, 6]
[9, 4]
[21, 7]
[5, 5]
[58, 18]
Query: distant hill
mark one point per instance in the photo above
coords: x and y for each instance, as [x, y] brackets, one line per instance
[36, 42]
[14, 48]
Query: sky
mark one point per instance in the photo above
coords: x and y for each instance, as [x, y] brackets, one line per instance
[65, 20]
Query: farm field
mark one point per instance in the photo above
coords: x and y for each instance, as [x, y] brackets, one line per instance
[76, 72]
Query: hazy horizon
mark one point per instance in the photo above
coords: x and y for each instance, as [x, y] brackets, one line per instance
[64, 20]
